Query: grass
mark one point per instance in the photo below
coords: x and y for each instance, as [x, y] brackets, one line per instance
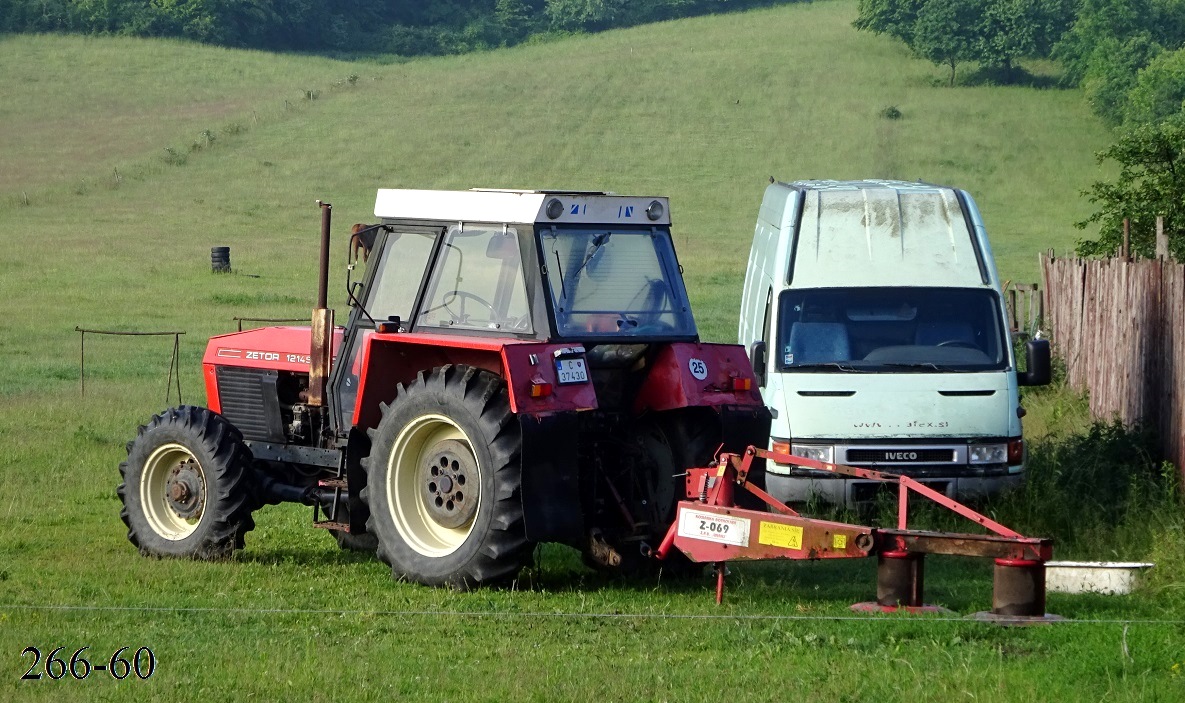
[703, 110]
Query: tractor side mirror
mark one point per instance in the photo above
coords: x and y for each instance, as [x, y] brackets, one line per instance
[757, 359]
[1037, 361]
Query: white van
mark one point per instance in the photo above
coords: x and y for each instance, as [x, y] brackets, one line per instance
[874, 319]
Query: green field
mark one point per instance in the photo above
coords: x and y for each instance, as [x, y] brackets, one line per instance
[124, 161]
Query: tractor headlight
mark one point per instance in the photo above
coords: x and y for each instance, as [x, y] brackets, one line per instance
[988, 453]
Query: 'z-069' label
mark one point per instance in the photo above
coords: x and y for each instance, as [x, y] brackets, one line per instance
[711, 527]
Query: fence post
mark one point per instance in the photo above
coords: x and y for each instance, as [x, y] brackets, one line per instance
[1162, 242]
[1126, 253]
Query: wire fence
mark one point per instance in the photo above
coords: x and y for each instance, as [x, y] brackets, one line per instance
[552, 615]
[174, 360]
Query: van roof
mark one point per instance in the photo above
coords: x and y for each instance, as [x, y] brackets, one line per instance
[868, 184]
[882, 233]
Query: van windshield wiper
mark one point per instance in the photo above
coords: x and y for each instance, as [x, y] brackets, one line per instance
[825, 366]
[928, 366]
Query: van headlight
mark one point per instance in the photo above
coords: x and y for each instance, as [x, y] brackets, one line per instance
[988, 453]
[824, 453]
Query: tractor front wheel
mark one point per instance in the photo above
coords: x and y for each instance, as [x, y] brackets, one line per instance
[185, 487]
[443, 479]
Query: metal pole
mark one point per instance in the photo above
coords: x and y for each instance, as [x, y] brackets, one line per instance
[323, 281]
[322, 320]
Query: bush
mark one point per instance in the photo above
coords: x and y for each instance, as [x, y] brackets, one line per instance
[1159, 90]
[1095, 492]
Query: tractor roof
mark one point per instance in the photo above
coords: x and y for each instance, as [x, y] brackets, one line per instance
[519, 207]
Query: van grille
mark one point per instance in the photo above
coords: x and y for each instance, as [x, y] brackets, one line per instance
[901, 455]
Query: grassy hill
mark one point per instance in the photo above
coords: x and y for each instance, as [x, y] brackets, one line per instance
[703, 110]
[125, 161]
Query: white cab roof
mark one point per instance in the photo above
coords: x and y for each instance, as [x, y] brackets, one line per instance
[516, 207]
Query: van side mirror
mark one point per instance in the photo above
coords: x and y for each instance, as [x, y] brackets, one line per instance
[1038, 363]
[757, 359]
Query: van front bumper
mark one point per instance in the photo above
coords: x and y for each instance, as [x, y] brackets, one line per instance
[853, 491]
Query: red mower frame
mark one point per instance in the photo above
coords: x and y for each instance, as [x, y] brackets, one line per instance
[710, 528]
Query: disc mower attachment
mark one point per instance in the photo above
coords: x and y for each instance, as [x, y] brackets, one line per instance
[709, 527]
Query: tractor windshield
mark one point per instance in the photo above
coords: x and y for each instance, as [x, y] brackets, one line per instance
[615, 283]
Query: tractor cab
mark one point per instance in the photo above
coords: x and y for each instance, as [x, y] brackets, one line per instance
[584, 267]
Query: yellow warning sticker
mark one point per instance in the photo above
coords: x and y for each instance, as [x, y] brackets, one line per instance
[839, 541]
[778, 535]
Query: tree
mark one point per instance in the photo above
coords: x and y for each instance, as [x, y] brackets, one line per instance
[993, 32]
[893, 17]
[1159, 90]
[512, 19]
[1112, 71]
[944, 33]
[1151, 182]
[1014, 29]
[576, 15]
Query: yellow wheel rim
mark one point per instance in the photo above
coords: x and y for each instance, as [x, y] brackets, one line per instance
[173, 491]
[416, 446]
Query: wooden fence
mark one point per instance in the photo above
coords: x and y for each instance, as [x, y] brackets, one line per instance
[1119, 326]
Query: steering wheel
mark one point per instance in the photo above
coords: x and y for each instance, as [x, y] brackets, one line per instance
[463, 294]
[957, 343]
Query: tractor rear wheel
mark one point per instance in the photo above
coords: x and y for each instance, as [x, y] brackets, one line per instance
[185, 488]
[443, 481]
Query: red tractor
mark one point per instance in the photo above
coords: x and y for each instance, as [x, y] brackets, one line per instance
[517, 367]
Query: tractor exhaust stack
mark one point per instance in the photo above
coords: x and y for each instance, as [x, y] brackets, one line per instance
[320, 352]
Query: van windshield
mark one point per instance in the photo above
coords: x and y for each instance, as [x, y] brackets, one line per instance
[890, 330]
[615, 283]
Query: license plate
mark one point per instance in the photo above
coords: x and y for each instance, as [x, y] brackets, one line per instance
[571, 371]
[711, 527]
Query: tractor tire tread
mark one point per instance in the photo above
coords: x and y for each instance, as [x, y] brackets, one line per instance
[503, 549]
[229, 501]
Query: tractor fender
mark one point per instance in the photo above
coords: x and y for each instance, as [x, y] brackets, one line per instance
[689, 374]
[389, 359]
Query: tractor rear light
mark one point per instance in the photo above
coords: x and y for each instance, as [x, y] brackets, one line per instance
[1016, 451]
[540, 389]
[741, 384]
